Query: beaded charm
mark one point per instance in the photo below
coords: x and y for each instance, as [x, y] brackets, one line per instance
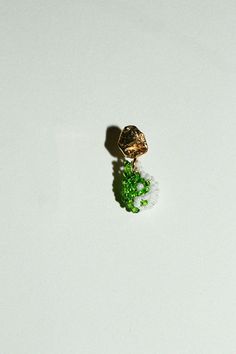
[139, 191]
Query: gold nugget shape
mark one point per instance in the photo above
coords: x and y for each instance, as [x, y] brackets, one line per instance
[132, 142]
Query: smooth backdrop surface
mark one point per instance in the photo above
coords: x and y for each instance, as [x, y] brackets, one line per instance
[78, 274]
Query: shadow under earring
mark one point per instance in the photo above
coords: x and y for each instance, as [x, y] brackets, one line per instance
[139, 191]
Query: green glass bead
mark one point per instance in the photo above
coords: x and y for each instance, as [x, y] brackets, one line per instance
[130, 180]
[144, 202]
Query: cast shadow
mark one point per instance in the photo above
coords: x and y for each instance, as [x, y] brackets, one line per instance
[112, 136]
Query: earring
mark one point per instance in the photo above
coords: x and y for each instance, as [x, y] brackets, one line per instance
[139, 191]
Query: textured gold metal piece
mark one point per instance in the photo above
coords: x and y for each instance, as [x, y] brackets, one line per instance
[132, 142]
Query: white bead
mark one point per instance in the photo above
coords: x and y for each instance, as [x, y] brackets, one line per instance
[140, 186]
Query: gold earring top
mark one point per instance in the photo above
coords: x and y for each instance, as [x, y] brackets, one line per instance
[132, 142]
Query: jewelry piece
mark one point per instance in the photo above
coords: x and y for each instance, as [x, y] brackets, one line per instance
[139, 190]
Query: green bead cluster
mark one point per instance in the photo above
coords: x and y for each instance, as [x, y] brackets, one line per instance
[130, 181]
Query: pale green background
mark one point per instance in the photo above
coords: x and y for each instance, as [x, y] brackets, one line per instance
[78, 274]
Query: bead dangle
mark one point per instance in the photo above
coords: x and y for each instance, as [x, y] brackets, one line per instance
[139, 190]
